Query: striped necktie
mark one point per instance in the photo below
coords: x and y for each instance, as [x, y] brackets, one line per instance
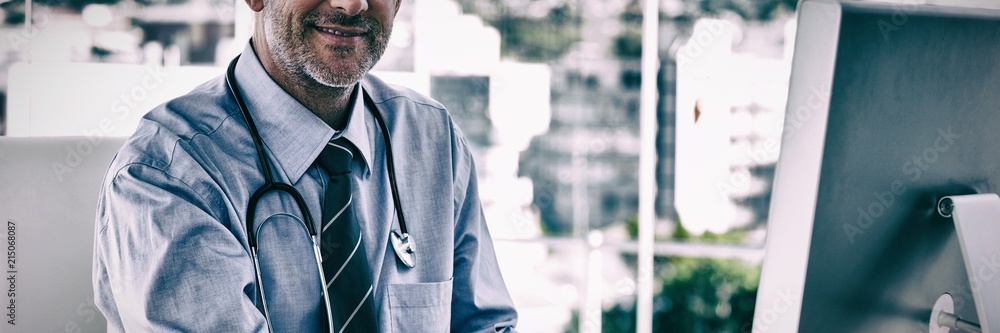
[349, 277]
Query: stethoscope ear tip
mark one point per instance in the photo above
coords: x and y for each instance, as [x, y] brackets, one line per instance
[403, 245]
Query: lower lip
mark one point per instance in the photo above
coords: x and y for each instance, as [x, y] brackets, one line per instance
[340, 40]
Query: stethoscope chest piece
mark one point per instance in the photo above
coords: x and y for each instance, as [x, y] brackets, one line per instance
[404, 248]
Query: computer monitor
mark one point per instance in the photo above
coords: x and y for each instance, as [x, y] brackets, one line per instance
[890, 108]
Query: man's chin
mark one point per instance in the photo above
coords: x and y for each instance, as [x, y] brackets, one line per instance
[334, 71]
[339, 81]
[345, 69]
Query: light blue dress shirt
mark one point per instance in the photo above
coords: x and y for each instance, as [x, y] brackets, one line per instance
[171, 252]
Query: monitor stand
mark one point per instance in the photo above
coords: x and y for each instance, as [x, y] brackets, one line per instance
[978, 233]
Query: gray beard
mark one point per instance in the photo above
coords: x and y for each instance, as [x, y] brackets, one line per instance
[303, 66]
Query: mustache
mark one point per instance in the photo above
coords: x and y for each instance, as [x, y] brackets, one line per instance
[336, 18]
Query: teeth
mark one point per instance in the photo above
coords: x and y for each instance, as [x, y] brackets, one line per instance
[338, 33]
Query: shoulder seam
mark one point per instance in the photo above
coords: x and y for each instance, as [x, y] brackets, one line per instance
[130, 164]
[440, 108]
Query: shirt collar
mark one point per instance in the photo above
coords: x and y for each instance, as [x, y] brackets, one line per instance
[293, 136]
[357, 130]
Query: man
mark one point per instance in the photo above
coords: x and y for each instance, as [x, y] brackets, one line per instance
[171, 249]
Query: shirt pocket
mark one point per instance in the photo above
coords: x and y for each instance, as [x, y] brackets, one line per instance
[420, 307]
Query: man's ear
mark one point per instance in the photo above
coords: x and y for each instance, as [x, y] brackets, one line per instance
[394, 12]
[258, 5]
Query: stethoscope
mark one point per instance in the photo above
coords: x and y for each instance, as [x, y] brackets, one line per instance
[402, 244]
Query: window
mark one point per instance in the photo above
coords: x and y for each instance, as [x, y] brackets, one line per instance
[547, 92]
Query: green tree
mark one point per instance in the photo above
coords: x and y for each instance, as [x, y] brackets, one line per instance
[751, 10]
[697, 295]
[526, 36]
[74, 4]
[628, 43]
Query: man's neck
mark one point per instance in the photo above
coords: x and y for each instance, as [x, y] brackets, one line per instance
[331, 104]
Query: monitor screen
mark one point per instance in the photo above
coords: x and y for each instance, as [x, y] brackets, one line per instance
[890, 108]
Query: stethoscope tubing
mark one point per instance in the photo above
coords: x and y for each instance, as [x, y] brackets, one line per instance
[271, 185]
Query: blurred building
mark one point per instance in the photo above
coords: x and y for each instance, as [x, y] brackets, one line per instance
[666, 138]
[583, 169]
[468, 99]
[588, 159]
[732, 81]
[194, 28]
[594, 137]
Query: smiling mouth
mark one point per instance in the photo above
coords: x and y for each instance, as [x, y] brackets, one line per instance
[340, 32]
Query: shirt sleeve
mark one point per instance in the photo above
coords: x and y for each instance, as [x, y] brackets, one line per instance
[164, 263]
[480, 301]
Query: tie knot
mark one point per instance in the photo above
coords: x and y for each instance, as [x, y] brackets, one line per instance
[336, 157]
